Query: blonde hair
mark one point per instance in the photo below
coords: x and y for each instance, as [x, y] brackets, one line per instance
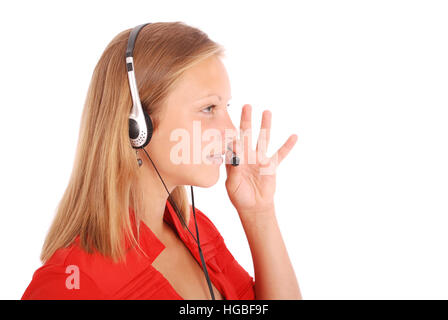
[104, 180]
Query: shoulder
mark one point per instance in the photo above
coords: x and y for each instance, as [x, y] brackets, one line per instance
[61, 281]
[73, 273]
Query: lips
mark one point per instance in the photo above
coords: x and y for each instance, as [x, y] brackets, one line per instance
[216, 158]
[218, 155]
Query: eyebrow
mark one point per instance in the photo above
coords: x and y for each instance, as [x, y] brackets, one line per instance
[213, 95]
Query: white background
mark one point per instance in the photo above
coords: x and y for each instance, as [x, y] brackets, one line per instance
[361, 199]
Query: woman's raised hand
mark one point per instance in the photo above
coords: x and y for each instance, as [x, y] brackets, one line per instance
[251, 184]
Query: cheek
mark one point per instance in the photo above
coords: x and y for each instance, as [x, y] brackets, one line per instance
[183, 157]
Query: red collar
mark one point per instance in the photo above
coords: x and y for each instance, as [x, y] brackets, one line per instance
[112, 276]
[149, 241]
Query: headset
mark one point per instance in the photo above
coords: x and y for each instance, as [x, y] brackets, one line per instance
[140, 133]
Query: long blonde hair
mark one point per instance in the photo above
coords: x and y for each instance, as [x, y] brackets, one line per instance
[103, 184]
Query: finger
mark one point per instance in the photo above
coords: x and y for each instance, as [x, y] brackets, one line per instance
[246, 127]
[245, 122]
[283, 151]
[265, 132]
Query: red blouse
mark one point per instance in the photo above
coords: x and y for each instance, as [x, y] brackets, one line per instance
[100, 278]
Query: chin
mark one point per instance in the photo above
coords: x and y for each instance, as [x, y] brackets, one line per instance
[207, 178]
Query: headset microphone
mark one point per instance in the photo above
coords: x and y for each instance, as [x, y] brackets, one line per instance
[235, 161]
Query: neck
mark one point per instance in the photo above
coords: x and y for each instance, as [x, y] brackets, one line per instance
[154, 198]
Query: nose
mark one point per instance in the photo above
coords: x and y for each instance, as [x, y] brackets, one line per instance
[229, 132]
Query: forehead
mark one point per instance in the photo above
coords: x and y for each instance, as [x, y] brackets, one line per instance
[206, 78]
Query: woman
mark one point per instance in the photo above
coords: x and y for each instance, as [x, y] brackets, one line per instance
[117, 233]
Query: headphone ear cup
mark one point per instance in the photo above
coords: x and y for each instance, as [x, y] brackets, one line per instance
[149, 126]
[133, 129]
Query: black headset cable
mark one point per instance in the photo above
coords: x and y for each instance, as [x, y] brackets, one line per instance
[183, 221]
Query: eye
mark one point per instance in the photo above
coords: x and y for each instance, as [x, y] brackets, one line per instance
[208, 108]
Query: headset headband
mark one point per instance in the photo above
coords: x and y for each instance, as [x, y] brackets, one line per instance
[140, 125]
[132, 38]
